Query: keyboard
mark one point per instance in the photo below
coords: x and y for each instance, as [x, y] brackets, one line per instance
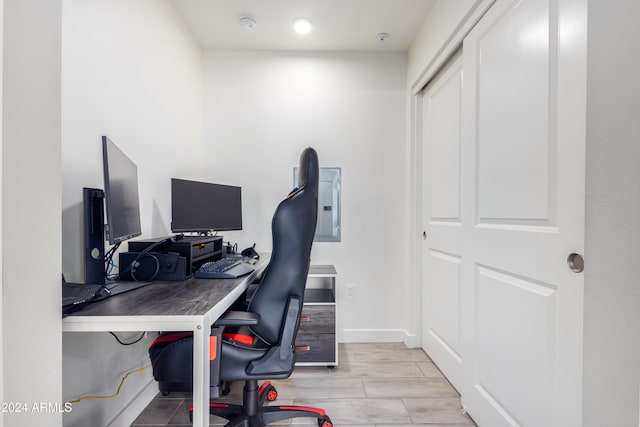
[226, 268]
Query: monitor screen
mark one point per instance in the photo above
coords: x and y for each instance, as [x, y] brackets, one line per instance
[121, 194]
[202, 207]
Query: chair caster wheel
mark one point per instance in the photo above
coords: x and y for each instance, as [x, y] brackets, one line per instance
[267, 393]
[271, 393]
[325, 422]
[225, 389]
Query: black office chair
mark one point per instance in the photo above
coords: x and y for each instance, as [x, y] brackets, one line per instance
[258, 344]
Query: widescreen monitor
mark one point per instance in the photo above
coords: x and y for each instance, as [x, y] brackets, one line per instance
[202, 207]
[121, 194]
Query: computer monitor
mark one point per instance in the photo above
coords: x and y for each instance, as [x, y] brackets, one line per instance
[121, 194]
[202, 207]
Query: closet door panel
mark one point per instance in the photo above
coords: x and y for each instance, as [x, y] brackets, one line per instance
[442, 222]
[522, 186]
[515, 142]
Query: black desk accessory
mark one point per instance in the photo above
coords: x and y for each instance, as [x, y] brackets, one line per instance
[77, 295]
[153, 266]
[250, 252]
[195, 249]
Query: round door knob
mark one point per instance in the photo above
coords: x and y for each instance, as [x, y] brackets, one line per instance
[575, 262]
[424, 234]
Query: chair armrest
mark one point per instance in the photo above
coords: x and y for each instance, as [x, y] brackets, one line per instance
[238, 318]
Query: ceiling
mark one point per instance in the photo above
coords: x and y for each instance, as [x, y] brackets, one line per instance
[339, 25]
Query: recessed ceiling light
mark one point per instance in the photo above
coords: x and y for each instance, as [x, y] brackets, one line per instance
[248, 23]
[302, 26]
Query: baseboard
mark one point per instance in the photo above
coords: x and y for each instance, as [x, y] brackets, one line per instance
[411, 340]
[130, 412]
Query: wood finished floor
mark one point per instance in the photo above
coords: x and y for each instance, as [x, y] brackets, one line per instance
[374, 385]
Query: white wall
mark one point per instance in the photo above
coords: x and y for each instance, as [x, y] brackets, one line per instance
[612, 290]
[131, 71]
[31, 330]
[263, 108]
[1, 239]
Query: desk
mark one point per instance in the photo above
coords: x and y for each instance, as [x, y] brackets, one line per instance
[192, 305]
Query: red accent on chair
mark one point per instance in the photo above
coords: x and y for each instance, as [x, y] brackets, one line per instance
[243, 339]
[212, 405]
[304, 408]
[213, 347]
[171, 337]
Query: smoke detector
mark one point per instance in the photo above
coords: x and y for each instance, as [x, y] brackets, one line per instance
[248, 23]
[382, 37]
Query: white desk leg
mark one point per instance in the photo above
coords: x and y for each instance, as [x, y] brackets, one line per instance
[201, 376]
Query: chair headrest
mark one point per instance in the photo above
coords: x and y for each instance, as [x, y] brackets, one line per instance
[309, 170]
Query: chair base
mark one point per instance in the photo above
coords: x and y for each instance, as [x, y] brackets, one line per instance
[252, 414]
[267, 415]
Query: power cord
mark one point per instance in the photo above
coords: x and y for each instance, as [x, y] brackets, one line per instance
[111, 396]
[135, 263]
[128, 343]
[108, 259]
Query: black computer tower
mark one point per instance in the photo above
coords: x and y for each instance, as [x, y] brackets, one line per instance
[93, 216]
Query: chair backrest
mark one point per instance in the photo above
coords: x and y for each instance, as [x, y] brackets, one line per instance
[293, 227]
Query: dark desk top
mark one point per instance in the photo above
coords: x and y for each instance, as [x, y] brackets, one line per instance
[192, 297]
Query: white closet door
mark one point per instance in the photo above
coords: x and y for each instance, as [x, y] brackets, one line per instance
[442, 248]
[523, 148]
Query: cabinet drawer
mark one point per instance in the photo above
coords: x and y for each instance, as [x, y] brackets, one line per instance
[317, 348]
[318, 319]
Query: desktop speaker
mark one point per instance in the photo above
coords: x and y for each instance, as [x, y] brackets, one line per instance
[150, 266]
[93, 213]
